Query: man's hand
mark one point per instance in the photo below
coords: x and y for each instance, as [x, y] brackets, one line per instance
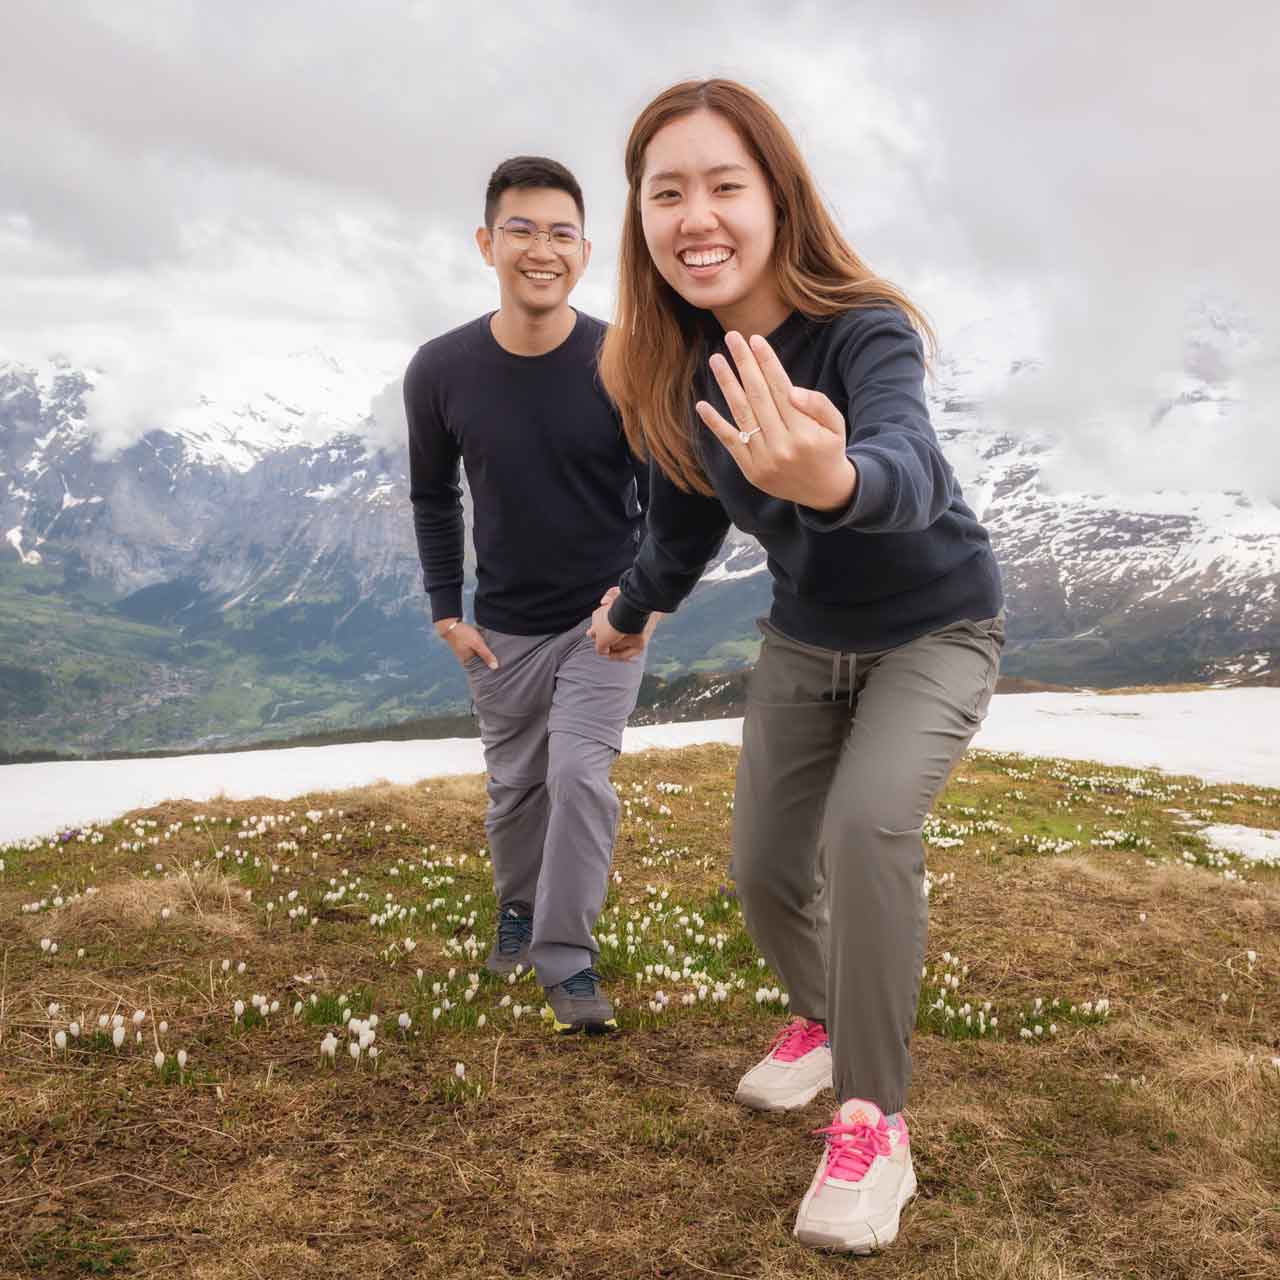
[465, 641]
[617, 645]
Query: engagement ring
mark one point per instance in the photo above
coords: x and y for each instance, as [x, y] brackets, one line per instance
[745, 436]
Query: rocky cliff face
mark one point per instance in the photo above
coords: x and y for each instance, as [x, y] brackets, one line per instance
[256, 560]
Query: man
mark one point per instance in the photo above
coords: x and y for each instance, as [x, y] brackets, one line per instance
[558, 498]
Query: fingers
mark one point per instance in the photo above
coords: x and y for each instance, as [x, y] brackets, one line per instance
[602, 632]
[740, 405]
[627, 649]
[775, 377]
[767, 408]
[815, 405]
[727, 434]
[610, 596]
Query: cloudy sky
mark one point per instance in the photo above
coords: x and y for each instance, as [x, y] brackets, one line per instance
[186, 189]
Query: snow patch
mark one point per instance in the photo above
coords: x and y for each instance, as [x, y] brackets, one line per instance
[14, 539]
[1220, 736]
[1254, 843]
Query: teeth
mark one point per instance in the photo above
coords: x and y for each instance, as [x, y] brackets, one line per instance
[541, 275]
[693, 258]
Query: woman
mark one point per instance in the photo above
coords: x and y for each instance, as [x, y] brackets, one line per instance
[777, 384]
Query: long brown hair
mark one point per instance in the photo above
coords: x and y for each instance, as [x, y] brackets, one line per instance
[651, 351]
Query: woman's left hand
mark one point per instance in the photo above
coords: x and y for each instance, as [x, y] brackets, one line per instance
[795, 439]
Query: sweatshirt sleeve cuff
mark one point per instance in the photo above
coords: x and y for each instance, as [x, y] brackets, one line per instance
[869, 497]
[625, 617]
[446, 602]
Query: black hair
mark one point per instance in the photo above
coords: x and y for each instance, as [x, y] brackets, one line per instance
[526, 172]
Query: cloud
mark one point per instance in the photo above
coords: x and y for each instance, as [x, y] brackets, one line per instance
[238, 179]
[389, 427]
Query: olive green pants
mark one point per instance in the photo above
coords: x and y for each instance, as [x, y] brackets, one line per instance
[842, 758]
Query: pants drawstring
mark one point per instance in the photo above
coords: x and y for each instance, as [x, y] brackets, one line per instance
[836, 658]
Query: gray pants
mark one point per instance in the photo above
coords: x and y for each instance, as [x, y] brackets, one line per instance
[842, 758]
[551, 719]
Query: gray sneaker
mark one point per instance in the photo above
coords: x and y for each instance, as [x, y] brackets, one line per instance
[577, 1005]
[515, 932]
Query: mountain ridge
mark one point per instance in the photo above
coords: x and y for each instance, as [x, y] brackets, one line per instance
[186, 590]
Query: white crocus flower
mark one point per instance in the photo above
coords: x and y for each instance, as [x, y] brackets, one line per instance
[158, 1059]
[182, 1059]
[117, 1037]
[60, 1039]
[405, 1022]
[460, 1071]
[238, 1009]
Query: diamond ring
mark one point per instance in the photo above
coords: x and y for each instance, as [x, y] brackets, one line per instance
[745, 436]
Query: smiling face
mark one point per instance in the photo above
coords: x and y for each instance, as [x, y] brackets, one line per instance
[534, 278]
[709, 221]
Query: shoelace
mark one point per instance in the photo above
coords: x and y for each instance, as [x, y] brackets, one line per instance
[582, 983]
[796, 1039]
[513, 932]
[851, 1148]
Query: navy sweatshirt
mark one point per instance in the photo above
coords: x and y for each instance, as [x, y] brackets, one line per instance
[558, 496]
[905, 557]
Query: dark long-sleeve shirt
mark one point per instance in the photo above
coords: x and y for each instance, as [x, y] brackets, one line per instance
[905, 557]
[557, 494]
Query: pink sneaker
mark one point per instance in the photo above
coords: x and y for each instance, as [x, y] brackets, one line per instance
[864, 1179]
[794, 1071]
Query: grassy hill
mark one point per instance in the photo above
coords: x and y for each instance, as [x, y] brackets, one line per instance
[1053, 1136]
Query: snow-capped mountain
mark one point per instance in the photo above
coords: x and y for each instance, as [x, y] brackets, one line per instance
[249, 567]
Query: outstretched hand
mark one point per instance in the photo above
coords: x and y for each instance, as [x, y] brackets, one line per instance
[787, 441]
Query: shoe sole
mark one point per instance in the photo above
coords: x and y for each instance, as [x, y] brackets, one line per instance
[790, 1102]
[588, 1028]
[863, 1244]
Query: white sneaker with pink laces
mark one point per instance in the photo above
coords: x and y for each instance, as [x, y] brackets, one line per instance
[864, 1179]
[795, 1070]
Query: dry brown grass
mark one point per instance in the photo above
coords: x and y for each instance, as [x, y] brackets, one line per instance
[605, 1160]
[215, 905]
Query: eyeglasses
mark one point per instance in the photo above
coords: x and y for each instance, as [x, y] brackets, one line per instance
[563, 238]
